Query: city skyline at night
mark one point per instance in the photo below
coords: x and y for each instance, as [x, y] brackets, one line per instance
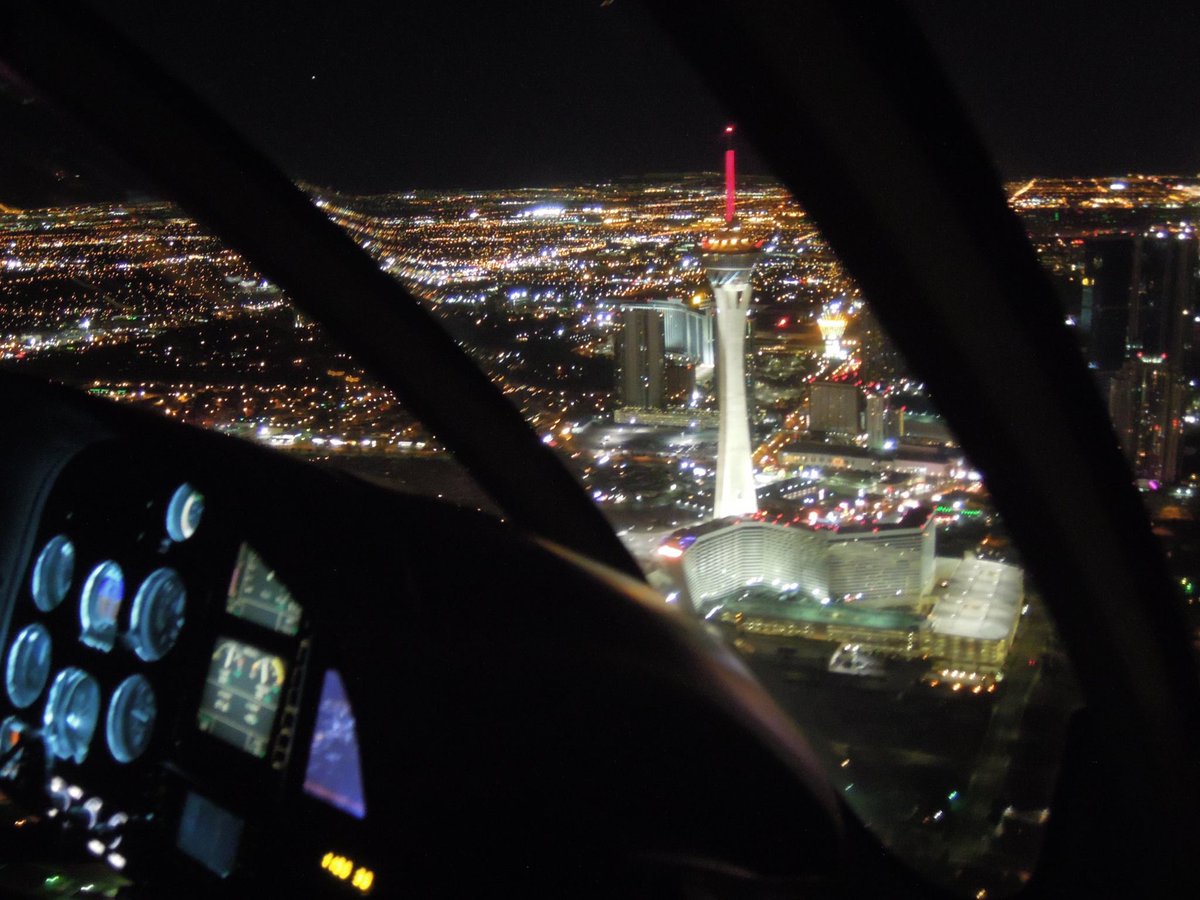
[533, 282]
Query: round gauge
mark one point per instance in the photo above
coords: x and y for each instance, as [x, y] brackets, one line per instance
[52, 573]
[131, 718]
[157, 616]
[28, 665]
[72, 712]
[100, 604]
[184, 512]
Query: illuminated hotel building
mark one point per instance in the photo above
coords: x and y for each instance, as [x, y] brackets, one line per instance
[874, 566]
[881, 566]
[723, 561]
[879, 587]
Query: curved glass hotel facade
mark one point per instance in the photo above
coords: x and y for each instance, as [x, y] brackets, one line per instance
[880, 587]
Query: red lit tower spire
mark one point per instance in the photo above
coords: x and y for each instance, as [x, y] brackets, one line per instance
[730, 179]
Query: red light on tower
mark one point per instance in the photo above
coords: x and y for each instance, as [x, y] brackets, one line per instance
[729, 175]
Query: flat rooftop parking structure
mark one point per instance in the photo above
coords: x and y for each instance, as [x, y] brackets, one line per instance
[983, 599]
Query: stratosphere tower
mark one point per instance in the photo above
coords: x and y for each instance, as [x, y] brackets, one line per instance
[728, 259]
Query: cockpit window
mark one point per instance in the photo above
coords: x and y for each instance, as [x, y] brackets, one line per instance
[1105, 184]
[664, 313]
[110, 288]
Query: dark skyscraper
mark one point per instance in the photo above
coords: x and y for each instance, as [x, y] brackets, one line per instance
[1104, 315]
[1137, 324]
[661, 346]
[876, 416]
[835, 409]
[1139, 296]
[641, 359]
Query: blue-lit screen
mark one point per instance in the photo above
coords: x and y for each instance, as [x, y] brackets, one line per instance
[334, 775]
[209, 834]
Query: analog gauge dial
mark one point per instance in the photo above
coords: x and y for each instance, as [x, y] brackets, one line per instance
[100, 605]
[52, 573]
[267, 674]
[28, 665]
[157, 617]
[131, 715]
[184, 513]
[72, 713]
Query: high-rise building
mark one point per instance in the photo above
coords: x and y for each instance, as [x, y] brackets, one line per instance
[876, 418]
[833, 409]
[659, 346]
[728, 260]
[882, 565]
[641, 359]
[1104, 311]
[1117, 389]
[1137, 325]
[687, 332]
[723, 561]
[1137, 296]
[1146, 400]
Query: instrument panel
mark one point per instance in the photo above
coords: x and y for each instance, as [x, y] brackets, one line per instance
[241, 695]
[158, 673]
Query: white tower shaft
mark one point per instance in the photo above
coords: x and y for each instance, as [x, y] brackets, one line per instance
[730, 278]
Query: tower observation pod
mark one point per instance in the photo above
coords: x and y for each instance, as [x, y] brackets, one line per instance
[832, 326]
[728, 260]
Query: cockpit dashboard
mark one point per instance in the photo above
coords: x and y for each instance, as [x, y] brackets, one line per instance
[163, 687]
[227, 671]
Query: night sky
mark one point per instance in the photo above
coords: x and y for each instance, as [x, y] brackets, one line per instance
[373, 96]
[1075, 87]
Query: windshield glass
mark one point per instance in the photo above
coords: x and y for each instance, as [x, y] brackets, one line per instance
[109, 287]
[1101, 168]
[557, 188]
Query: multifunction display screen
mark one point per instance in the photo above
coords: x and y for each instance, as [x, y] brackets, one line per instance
[241, 695]
[257, 596]
[334, 773]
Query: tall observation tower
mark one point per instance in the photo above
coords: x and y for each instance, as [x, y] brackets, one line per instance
[728, 258]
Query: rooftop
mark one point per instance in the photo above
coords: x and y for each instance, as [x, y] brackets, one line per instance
[983, 599]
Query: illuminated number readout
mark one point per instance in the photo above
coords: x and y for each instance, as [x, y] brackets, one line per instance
[241, 695]
[343, 868]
